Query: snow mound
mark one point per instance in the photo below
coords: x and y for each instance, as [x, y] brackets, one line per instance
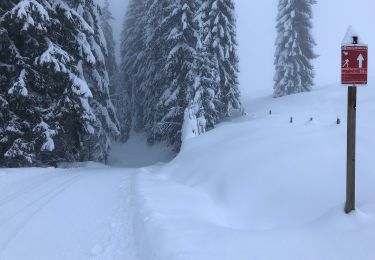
[261, 187]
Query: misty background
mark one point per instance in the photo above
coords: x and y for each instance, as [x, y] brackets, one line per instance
[256, 36]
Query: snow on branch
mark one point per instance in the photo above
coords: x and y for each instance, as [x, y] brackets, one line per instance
[29, 12]
[47, 134]
[80, 87]
[55, 56]
[19, 87]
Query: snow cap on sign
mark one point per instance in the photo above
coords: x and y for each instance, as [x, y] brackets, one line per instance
[350, 33]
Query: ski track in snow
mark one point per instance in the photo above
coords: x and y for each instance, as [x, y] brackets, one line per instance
[82, 213]
[28, 208]
[85, 211]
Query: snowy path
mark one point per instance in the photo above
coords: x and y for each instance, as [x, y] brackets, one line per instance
[82, 213]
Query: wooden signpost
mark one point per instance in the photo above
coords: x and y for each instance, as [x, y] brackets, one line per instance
[354, 69]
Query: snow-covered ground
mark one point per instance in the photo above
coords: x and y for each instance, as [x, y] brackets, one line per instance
[260, 187]
[257, 187]
[76, 213]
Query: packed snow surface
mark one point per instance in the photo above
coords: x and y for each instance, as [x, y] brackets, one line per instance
[73, 213]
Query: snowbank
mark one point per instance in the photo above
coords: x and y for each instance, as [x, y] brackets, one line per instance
[262, 188]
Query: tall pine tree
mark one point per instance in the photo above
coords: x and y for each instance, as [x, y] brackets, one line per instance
[94, 71]
[182, 42]
[54, 96]
[44, 99]
[179, 67]
[220, 39]
[133, 55]
[110, 59]
[208, 87]
[294, 48]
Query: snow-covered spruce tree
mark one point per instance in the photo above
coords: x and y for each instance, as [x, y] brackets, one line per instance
[44, 97]
[94, 71]
[132, 70]
[18, 107]
[218, 23]
[8, 53]
[110, 59]
[182, 41]
[154, 82]
[144, 56]
[294, 48]
[208, 87]
[177, 87]
[8, 60]
[209, 74]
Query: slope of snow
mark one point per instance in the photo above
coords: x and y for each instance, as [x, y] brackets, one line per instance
[260, 187]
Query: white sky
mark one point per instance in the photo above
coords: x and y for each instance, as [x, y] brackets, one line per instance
[256, 24]
[256, 35]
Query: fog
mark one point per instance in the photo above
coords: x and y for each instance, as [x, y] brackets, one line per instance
[256, 32]
[118, 8]
[256, 36]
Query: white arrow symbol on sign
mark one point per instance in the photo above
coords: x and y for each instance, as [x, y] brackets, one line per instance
[360, 61]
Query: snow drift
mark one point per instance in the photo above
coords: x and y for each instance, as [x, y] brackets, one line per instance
[261, 187]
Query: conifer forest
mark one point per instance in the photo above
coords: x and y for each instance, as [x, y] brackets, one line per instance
[187, 130]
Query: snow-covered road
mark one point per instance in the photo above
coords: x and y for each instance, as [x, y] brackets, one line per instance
[79, 213]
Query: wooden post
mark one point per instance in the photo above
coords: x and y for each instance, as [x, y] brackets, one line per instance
[351, 144]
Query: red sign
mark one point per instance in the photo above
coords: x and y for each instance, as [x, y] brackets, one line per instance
[354, 64]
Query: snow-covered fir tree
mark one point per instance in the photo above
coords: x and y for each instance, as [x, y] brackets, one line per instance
[49, 111]
[208, 87]
[182, 42]
[110, 59]
[8, 53]
[179, 67]
[218, 23]
[131, 70]
[294, 48]
[44, 98]
[94, 72]
[157, 54]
